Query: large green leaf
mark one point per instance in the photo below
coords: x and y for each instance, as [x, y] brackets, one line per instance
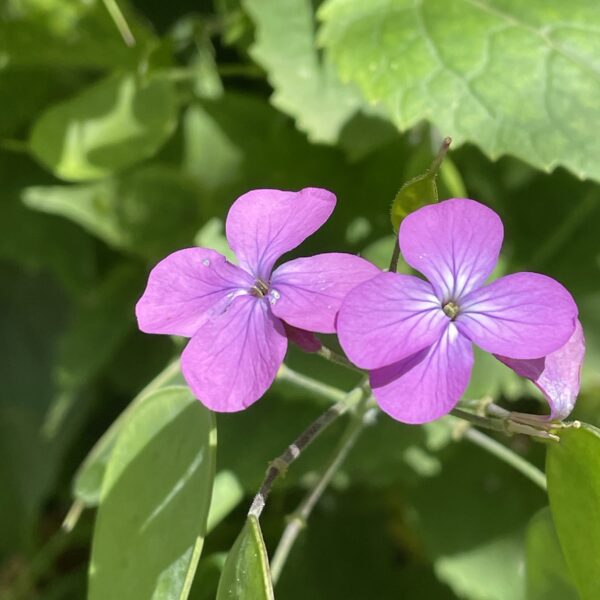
[246, 573]
[573, 470]
[88, 479]
[547, 574]
[105, 128]
[306, 85]
[513, 77]
[155, 500]
[150, 211]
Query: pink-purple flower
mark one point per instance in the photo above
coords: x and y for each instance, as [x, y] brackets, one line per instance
[239, 317]
[416, 337]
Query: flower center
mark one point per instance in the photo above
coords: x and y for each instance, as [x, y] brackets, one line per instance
[451, 309]
[259, 289]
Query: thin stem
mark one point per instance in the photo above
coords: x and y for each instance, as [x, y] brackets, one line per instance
[298, 519]
[507, 455]
[338, 359]
[121, 23]
[395, 257]
[480, 421]
[281, 464]
[309, 384]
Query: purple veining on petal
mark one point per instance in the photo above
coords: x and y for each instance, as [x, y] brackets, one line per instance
[454, 243]
[262, 225]
[233, 358]
[308, 292]
[428, 384]
[388, 318]
[187, 288]
[557, 375]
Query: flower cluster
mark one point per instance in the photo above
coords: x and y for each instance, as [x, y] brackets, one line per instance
[414, 336]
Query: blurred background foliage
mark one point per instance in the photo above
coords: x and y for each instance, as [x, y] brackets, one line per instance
[114, 153]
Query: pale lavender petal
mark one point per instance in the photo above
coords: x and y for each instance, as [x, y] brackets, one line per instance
[557, 375]
[524, 315]
[428, 384]
[308, 292]
[306, 340]
[186, 288]
[264, 224]
[454, 243]
[388, 318]
[232, 360]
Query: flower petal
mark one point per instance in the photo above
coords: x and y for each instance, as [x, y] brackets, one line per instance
[233, 359]
[524, 315]
[454, 243]
[308, 292]
[388, 318]
[557, 375]
[264, 224]
[186, 288]
[428, 384]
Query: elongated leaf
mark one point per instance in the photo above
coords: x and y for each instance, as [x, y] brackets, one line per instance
[105, 128]
[573, 470]
[306, 87]
[547, 574]
[155, 500]
[246, 572]
[89, 477]
[520, 78]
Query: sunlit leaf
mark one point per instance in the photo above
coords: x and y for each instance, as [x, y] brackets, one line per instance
[154, 501]
[573, 470]
[512, 77]
[246, 573]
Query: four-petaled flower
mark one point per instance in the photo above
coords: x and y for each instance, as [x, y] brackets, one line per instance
[237, 316]
[416, 337]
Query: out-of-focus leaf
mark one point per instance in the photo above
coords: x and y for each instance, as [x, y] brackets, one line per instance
[547, 574]
[207, 577]
[306, 86]
[107, 127]
[73, 34]
[480, 557]
[212, 235]
[227, 493]
[155, 499]
[455, 64]
[246, 573]
[88, 479]
[150, 211]
[573, 470]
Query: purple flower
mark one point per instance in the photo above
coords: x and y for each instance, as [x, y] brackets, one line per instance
[239, 317]
[416, 336]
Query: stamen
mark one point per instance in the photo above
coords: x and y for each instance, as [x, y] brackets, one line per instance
[451, 310]
[259, 289]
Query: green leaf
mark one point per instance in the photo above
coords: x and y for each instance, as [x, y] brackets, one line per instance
[455, 63]
[227, 493]
[306, 85]
[246, 573]
[107, 127]
[155, 499]
[573, 470]
[150, 211]
[419, 191]
[547, 574]
[88, 479]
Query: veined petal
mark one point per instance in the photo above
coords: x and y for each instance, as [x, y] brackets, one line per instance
[524, 315]
[186, 288]
[307, 292]
[557, 375]
[428, 384]
[306, 340]
[388, 318]
[264, 224]
[232, 360]
[454, 243]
